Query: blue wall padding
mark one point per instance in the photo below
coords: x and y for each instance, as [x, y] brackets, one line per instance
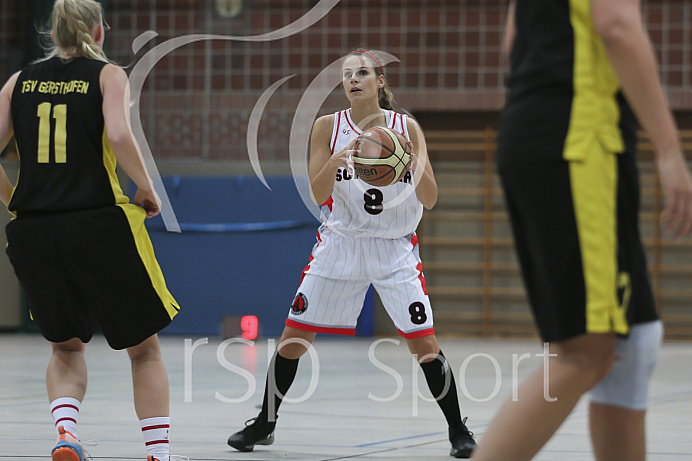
[242, 251]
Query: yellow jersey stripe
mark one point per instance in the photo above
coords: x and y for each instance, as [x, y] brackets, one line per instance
[136, 216]
[592, 140]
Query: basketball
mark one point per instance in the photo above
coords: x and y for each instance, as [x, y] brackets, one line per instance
[382, 156]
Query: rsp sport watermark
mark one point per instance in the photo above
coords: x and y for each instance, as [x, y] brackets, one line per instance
[411, 376]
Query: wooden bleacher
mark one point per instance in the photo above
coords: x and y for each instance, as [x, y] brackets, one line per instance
[468, 255]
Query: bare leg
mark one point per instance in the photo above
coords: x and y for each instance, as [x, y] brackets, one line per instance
[294, 342]
[617, 433]
[66, 375]
[425, 348]
[149, 379]
[522, 427]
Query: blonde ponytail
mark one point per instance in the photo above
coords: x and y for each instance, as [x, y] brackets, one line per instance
[72, 23]
[385, 97]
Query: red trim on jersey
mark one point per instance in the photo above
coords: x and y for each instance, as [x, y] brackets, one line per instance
[421, 277]
[302, 275]
[159, 426]
[315, 329]
[64, 405]
[414, 240]
[403, 127]
[352, 125]
[329, 203]
[417, 334]
[336, 132]
[393, 120]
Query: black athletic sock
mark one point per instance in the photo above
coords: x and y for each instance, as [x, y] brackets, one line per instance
[436, 373]
[281, 372]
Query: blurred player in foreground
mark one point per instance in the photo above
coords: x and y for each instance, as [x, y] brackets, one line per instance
[566, 157]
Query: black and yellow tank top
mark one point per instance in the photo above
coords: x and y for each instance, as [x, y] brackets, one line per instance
[66, 161]
[563, 92]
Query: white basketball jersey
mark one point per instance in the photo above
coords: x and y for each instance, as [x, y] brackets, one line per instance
[355, 208]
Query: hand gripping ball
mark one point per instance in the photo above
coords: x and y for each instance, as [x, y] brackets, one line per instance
[382, 156]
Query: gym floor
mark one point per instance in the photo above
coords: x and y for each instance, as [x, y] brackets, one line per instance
[354, 398]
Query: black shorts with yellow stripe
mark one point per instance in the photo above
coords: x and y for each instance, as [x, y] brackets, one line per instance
[577, 237]
[96, 263]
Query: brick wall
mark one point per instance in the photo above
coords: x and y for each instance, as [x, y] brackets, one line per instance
[14, 21]
[197, 101]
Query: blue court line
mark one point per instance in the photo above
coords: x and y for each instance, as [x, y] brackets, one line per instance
[477, 427]
[399, 439]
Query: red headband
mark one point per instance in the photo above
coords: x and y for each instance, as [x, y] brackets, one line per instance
[373, 58]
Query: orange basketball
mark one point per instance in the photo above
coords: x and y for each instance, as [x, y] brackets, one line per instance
[382, 156]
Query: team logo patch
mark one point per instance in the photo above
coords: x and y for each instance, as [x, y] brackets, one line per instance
[300, 304]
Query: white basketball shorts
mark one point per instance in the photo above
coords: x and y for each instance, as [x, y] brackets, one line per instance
[341, 269]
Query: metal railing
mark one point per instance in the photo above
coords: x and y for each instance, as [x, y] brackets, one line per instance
[468, 254]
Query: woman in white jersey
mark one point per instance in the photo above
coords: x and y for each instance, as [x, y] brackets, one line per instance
[367, 237]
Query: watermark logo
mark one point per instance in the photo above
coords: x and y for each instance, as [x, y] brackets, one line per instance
[305, 113]
[146, 64]
[462, 377]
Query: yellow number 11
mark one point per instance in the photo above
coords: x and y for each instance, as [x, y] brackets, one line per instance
[60, 138]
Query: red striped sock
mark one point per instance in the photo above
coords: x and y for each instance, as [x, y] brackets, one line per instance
[65, 411]
[155, 431]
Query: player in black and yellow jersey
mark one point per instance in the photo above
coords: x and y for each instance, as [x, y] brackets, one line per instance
[566, 157]
[79, 248]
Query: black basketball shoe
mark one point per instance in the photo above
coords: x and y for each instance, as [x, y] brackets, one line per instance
[462, 441]
[257, 431]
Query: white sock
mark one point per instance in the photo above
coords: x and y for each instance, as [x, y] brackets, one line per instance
[155, 432]
[65, 411]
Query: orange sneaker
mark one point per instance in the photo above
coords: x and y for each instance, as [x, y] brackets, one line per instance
[68, 447]
[171, 458]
